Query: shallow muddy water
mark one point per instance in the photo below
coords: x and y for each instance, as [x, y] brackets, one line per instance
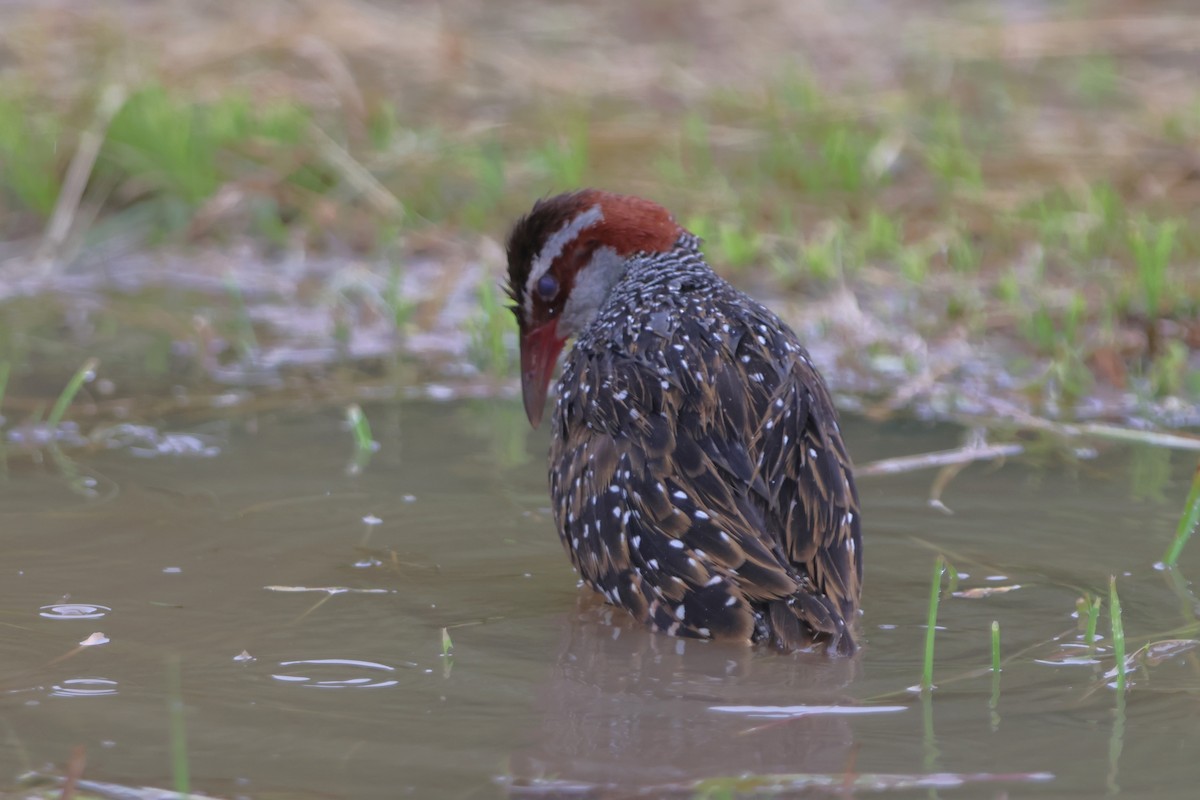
[344, 689]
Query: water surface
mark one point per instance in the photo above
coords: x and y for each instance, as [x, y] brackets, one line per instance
[305, 605]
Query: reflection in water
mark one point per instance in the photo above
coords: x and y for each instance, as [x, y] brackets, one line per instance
[792, 712]
[624, 707]
[341, 666]
[73, 611]
[145, 441]
[1071, 654]
[84, 687]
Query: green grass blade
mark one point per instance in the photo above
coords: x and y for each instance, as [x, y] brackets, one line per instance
[82, 376]
[994, 699]
[361, 429]
[1187, 523]
[1118, 631]
[935, 586]
[1093, 618]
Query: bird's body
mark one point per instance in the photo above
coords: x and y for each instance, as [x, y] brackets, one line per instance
[697, 471]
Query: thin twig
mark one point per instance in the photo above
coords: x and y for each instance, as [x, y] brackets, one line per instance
[940, 458]
[1175, 441]
[75, 765]
[971, 452]
[355, 174]
[1100, 430]
[78, 174]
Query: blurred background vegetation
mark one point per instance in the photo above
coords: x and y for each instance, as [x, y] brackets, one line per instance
[965, 209]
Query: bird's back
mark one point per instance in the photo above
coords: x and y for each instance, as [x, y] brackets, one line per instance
[698, 473]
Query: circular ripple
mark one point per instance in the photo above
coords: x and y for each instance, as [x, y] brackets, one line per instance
[74, 611]
[336, 673]
[84, 687]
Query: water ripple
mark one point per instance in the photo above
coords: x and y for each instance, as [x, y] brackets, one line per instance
[337, 673]
[73, 611]
[84, 687]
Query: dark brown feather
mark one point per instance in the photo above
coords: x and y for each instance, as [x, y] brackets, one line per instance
[743, 494]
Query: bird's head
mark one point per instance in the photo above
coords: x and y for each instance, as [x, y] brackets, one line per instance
[564, 257]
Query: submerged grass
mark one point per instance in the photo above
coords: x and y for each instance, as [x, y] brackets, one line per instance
[178, 728]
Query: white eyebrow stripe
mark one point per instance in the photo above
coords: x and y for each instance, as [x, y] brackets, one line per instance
[554, 247]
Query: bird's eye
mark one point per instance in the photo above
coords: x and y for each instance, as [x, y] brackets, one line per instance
[547, 287]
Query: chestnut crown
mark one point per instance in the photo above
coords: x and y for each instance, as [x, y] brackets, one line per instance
[567, 253]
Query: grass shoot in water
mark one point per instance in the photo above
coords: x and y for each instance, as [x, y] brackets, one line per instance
[361, 429]
[1118, 632]
[178, 730]
[1092, 607]
[1187, 523]
[935, 586]
[994, 699]
[364, 445]
[447, 654]
[81, 376]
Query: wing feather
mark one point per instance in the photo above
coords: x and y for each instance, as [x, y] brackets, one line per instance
[709, 491]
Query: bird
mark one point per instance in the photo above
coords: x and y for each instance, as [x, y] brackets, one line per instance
[697, 470]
